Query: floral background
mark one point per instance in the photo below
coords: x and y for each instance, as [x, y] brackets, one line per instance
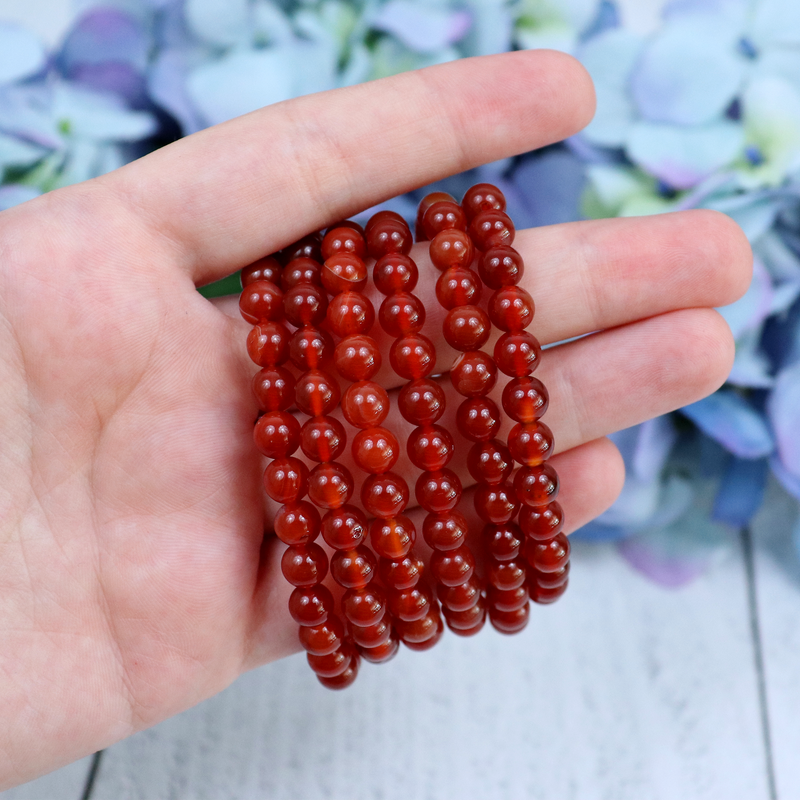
[698, 106]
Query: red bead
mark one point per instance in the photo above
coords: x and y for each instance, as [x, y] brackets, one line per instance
[304, 565]
[344, 528]
[311, 606]
[265, 269]
[322, 439]
[421, 402]
[545, 596]
[401, 573]
[474, 374]
[344, 239]
[268, 344]
[536, 486]
[452, 567]
[458, 287]
[442, 216]
[273, 388]
[310, 348]
[261, 301]
[347, 678]
[301, 270]
[330, 485]
[277, 434]
[490, 462]
[346, 223]
[419, 630]
[508, 599]
[432, 640]
[353, 569]
[438, 491]
[389, 235]
[466, 620]
[478, 419]
[333, 664]
[305, 304]
[316, 393]
[548, 580]
[525, 399]
[364, 606]
[350, 313]
[542, 523]
[501, 266]
[506, 575]
[510, 621]
[392, 538]
[517, 354]
[413, 356]
[357, 358]
[496, 504]
[430, 447]
[344, 273]
[511, 308]
[365, 404]
[409, 604]
[451, 248]
[424, 205]
[481, 197]
[395, 273]
[466, 328]
[503, 541]
[297, 523]
[530, 443]
[375, 450]
[461, 597]
[382, 653]
[286, 480]
[549, 556]
[381, 216]
[491, 228]
[373, 635]
[384, 495]
[307, 247]
[320, 640]
[401, 313]
[445, 531]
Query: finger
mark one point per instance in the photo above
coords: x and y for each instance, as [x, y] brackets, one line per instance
[591, 478]
[222, 198]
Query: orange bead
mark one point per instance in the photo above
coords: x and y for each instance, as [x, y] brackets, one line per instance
[413, 356]
[330, 485]
[392, 538]
[446, 530]
[438, 491]
[297, 523]
[382, 652]
[373, 635]
[545, 596]
[344, 239]
[261, 301]
[389, 235]
[344, 528]
[265, 269]
[365, 404]
[401, 573]
[277, 434]
[375, 450]
[543, 522]
[452, 567]
[474, 374]
[357, 358]
[316, 393]
[422, 634]
[304, 565]
[401, 313]
[334, 663]
[384, 495]
[511, 309]
[353, 569]
[395, 273]
[421, 402]
[310, 348]
[496, 504]
[466, 328]
[490, 462]
[451, 248]
[268, 344]
[491, 228]
[321, 640]
[530, 443]
[301, 270]
[305, 304]
[517, 354]
[506, 575]
[503, 541]
[458, 287]
[424, 205]
[273, 388]
[525, 399]
[478, 419]
[501, 266]
[344, 272]
[482, 197]
[350, 313]
[409, 604]
[430, 447]
[443, 215]
[311, 606]
[548, 556]
[307, 247]
[461, 597]
[286, 480]
[345, 679]
[322, 439]
[536, 486]
[467, 620]
[508, 599]
[510, 621]
[364, 606]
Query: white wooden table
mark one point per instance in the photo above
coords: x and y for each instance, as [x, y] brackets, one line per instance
[621, 690]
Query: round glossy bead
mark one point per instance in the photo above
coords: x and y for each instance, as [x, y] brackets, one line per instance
[384, 495]
[496, 504]
[343, 239]
[273, 388]
[350, 313]
[305, 304]
[265, 269]
[330, 485]
[395, 273]
[508, 599]
[491, 228]
[461, 597]
[357, 358]
[268, 344]
[503, 541]
[261, 301]
[286, 480]
[474, 374]
[344, 273]
[344, 528]
[419, 630]
[320, 640]
[413, 356]
[311, 606]
[333, 664]
[517, 354]
[441, 216]
[548, 556]
[375, 450]
[430, 447]
[424, 205]
[490, 462]
[297, 523]
[525, 399]
[346, 223]
[304, 565]
[347, 678]
[310, 348]
[365, 404]
[481, 197]
[501, 266]
[301, 270]
[511, 308]
[458, 287]
[466, 328]
[445, 531]
[373, 635]
[364, 606]
[401, 313]
[451, 248]
[392, 538]
[478, 419]
[401, 573]
[507, 575]
[432, 640]
[452, 567]
[353, 569]
[543, 522]
[381, 216]
[530, 443]
[466, 620]
[389, 235]
[421, 402]
[277, 434]
[438, 491]
[382, 653]
[316, 393]
[307, 247]
[549, 580]
[536, 486]
[322, 438]
[510, 621]
[544, 596]
[409, 604]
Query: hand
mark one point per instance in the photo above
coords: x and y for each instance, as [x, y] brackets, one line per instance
[135, 575]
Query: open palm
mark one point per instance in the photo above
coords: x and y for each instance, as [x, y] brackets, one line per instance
[135, 576]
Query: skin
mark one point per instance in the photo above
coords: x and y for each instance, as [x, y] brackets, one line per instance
[138, 574]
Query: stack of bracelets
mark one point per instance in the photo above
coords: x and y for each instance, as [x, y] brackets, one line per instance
[316, 285]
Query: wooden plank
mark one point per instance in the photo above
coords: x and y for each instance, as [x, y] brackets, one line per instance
[66, 783]
[622, 690]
